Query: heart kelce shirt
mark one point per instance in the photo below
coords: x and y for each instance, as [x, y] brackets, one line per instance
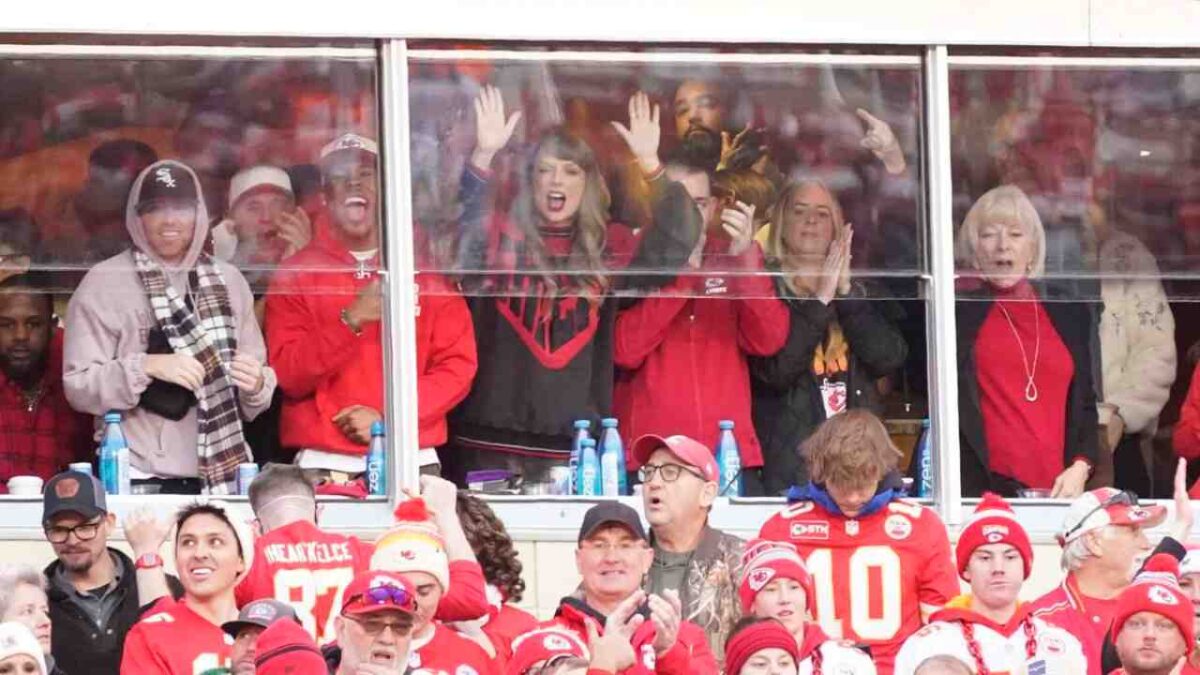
[545, 357]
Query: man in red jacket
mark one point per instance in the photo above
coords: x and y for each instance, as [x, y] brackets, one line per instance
[682, 351]
[612, 558]
[324, 334]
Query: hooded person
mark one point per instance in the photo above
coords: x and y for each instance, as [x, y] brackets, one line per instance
[165, 334]
[989, 628]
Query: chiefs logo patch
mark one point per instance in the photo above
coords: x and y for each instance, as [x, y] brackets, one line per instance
[995, 533]
[1051, 644]
[898, 527]
[761, 577]
[809, 529]
[648, 658]
[1161, 596]
[66, 488]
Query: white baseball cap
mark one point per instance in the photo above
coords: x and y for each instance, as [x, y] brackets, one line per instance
[258, 176]
[1107, 506]
[349, 142]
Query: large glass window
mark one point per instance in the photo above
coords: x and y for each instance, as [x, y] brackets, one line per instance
[667, 239]
[207, 230]
[1074, 206]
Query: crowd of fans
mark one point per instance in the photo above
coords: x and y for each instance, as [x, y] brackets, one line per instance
[850, 577]
[692, 283]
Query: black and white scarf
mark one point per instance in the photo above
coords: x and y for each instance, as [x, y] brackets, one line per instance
[207, 333]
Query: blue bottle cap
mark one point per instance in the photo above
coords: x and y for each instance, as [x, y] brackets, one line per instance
[588, 443]
[583, 424]
[925, 423]
[725, 425]
[609, 423]
[377, 428]
[112, 417]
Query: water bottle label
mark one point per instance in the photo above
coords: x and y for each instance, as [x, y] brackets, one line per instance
[589, 480]
[608, 466]
[375, 477]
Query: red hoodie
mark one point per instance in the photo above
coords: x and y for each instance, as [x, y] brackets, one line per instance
[323, 367]
[683, 354]
[691, 654]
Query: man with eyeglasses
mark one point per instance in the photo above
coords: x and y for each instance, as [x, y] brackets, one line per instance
[95, 592]
[703, 565]
[613, 558]
[374, 627]
[1104, 541]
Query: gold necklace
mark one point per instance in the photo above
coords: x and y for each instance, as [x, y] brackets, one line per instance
[1031, 389]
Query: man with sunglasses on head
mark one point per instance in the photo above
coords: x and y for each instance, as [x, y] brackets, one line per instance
[95, 592]
[1104, 542]
[703, 565]
[374, 627]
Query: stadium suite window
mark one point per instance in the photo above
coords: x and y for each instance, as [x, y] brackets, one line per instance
[273, 152]
[1077, 252]
[586, 210]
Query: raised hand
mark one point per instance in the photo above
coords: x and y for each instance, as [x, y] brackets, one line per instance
[644, 132]
[296, 230]
[880, 140]
[1181, 527]
[145, 532]
[492, 129]
[738, 223]
[738, 153]
[667, 614]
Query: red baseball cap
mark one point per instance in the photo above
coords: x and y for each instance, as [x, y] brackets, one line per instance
[1107, 506]
[691, 452]
[373, 592]
[543, 644]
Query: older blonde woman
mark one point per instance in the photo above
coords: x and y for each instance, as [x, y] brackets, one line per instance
[840, 341]
[23, 600]
[1027, 407]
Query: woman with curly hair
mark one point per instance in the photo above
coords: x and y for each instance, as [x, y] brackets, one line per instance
[501, 569]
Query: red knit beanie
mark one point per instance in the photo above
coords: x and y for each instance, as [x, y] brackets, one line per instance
[764, 560]
[768, 634]
[993, 522]
[286, 648]
[1156, 589]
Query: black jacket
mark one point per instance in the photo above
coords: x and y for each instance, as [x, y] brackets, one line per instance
[78, 646]
[787, 405]
[1073, 320]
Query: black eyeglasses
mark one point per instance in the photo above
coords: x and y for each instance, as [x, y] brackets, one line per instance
[374, 627]
[669, 472]
[83, 532]
[1124, 497]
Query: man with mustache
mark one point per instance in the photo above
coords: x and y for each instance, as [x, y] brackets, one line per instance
[39, 431]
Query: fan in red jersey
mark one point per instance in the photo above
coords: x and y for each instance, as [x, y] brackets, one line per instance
[988, 628]
[1189, 581]
[880, 565]
[776, 585]
[415, 551]
[184, 637]
[298, 563]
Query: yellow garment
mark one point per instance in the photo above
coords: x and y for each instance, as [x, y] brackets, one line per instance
[833, 357]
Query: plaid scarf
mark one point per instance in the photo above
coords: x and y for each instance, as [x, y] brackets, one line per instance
[207, 334]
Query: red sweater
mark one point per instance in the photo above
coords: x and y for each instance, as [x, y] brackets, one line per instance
[1024, 439]
[44, 440]
[1187, 430]
[684, 350]
[324, 367]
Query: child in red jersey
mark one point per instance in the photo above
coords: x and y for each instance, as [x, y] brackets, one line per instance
[880, 564]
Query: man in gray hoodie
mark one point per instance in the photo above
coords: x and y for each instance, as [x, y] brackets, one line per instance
[165, 334]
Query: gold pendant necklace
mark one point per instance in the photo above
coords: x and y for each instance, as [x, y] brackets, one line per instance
[1031, 389]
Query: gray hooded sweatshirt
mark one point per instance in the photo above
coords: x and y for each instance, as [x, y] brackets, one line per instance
[109, 320]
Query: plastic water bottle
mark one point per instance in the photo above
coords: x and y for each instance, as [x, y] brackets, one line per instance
[377, 461]
[582, 432]
[924, 461]
[589, 469]
[729, 461]
[112, 447]
[612, 452]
